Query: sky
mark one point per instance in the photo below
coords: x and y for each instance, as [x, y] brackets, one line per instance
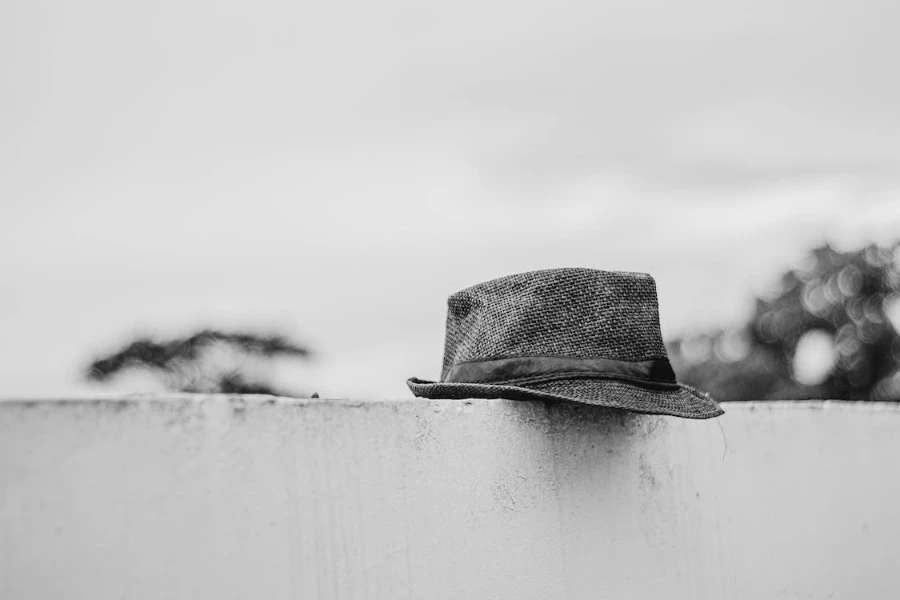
[333, 171]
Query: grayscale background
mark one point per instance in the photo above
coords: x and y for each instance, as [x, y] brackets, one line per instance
[331, 172]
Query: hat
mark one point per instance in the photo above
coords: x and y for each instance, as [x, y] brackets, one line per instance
[576, 335]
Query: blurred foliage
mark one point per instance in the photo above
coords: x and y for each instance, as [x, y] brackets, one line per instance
[208, 361]
[846, 298]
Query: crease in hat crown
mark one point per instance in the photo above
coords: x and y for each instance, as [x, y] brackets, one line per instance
[572, 312]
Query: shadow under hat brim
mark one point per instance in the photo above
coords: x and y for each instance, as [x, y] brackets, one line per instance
[678, 401]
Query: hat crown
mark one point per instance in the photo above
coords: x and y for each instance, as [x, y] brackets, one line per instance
[578, 313]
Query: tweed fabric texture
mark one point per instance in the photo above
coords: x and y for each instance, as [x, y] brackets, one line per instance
[574, 313]
[560, 312]
[684, 401]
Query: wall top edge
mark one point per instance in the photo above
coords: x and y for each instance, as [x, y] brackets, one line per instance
[252, 399]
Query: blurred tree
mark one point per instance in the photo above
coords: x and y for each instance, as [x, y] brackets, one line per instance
[843, 305]
[208, 361]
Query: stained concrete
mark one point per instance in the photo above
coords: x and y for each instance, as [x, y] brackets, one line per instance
[258, 497]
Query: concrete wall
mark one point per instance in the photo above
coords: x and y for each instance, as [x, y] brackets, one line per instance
[230, 497]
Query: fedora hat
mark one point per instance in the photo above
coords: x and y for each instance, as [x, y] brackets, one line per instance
[577, 335]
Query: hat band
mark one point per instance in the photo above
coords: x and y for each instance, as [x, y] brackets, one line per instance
[520, 369]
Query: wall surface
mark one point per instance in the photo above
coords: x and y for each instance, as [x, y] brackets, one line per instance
[252, 497]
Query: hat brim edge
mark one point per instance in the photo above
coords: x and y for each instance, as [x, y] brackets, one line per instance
[434, 390]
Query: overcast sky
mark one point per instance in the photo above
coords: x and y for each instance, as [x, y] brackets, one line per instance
[335, 170]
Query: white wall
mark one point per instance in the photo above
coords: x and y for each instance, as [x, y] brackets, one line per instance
[230, 497]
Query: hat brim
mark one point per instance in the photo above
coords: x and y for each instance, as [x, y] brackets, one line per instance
[678, 401]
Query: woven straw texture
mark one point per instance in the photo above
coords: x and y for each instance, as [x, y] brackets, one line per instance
[577, 313]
